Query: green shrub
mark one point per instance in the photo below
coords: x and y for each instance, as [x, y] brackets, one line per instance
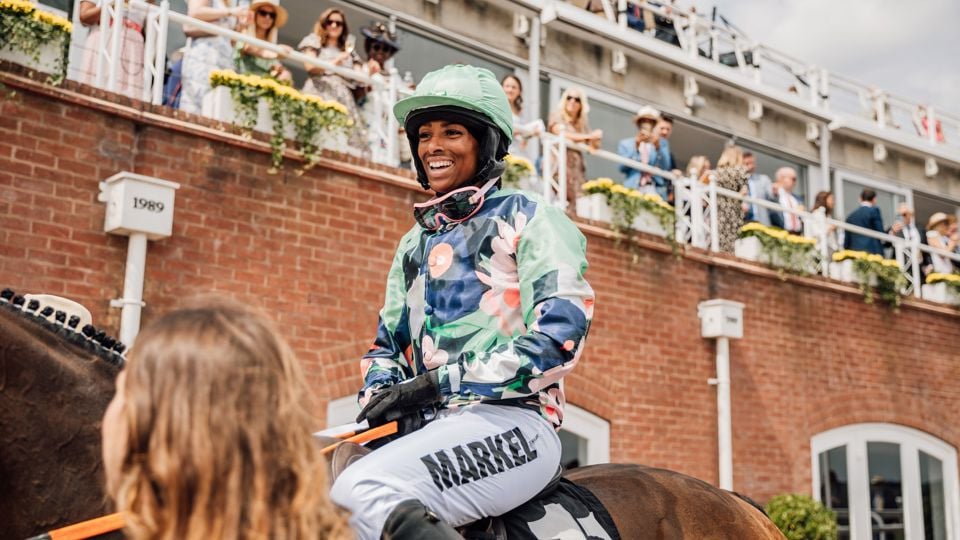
[800, 517]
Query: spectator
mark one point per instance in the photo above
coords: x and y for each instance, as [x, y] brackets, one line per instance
[645, 148]
[699, 168]
[380, 45]
[732, 175]
[759, 186]
[823, 206]
[571, 116]
[207, 52]
[209, 433]
[905, 226]
[940, 237]
[130, 70]
[786, 182]
[954, 232]
[328, 42]
[666, 30]
[522, 132]
[266, 18]
[638, 18]
[867, 216]
[921, 121]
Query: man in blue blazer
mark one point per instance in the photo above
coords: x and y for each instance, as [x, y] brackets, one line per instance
[867, 216]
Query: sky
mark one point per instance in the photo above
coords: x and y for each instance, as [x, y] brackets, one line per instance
[909, 48]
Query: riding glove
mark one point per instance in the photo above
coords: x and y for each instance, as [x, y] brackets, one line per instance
[398, 400]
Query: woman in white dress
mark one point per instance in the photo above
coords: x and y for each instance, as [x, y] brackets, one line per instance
[207, 52]
[130, 69]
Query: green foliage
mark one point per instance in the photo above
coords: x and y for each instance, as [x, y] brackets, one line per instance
[890, 281]
[800, 517]
[28, 30]
[787, 251]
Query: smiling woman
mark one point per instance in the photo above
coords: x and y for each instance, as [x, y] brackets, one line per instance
[486, 311]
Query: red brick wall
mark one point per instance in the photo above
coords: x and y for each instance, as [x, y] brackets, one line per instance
[314, 251]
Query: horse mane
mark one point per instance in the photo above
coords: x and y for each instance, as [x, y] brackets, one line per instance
[89, 337]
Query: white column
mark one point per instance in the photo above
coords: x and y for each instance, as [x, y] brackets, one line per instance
[724, 422]
[132, 300]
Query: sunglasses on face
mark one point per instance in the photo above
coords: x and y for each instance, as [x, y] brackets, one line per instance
[380, 47]
[333, 23]
[573, 98]
[265, 13]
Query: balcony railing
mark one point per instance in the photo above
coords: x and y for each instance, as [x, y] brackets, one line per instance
[695, 203]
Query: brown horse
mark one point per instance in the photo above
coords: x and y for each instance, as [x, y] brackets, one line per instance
[53, 393]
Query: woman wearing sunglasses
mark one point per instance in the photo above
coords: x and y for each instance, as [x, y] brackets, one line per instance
[486, 311]
[266, 18]
[328, 42]
[571, 117]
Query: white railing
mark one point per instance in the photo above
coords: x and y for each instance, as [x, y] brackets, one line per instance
[697, 220]
[385, 90]
[778, 71]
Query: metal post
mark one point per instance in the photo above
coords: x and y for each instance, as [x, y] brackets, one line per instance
[697, 234]
[814, 77]
[915, 259]
[133, 287]
[724, 423]
[547, 167]
[149, 53]
[377, 94]
[824, 96]
[824, 157]
[393, 128]
[160, 61]
[823, 241]
[714, 222]
[533, 77]
[99, 70]
[562, 168]
[116, 35]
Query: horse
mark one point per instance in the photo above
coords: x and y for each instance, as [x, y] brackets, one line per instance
[55, 387]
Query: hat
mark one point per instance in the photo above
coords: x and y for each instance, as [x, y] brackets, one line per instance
[378, 31]
[275, 4]
[647, 112]
[936, 219]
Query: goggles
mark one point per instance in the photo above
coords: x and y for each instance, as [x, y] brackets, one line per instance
[453, 207]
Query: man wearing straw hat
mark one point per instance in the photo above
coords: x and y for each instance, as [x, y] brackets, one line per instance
[644, 147]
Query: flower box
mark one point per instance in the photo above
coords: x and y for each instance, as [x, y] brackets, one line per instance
[843, 271]
[595, 207]
[776, 247]
[218, 104]
[749, 249]
[48, 61]
[939, 292]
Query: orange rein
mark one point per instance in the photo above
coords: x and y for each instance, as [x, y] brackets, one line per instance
[366, 436]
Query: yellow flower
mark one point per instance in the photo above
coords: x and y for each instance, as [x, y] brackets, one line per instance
[937, 277]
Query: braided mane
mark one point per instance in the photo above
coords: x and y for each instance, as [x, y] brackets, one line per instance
[89, 337]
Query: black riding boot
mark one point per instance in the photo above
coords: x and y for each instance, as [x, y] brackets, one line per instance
[411, 520]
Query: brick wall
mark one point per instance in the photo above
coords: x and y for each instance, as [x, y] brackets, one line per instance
[314, 251]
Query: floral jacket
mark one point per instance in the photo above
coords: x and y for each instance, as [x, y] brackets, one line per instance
[497, 304]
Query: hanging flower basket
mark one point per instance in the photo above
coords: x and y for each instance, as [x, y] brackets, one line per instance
[35, 39]
[262, 104]
[870, 271]
[776, 247]
[626, 209]
[942, 288]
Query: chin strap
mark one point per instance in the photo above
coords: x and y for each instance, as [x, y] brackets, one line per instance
[473, 198]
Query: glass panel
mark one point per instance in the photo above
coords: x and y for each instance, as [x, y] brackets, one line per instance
[934, 506]
[886, 201]
[833, 487]
[573, 451]
[886, 490]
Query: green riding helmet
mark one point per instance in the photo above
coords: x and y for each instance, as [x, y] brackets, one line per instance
[468, 95]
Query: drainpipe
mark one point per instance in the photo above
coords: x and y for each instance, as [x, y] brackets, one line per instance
[722, 319]
[141, 208]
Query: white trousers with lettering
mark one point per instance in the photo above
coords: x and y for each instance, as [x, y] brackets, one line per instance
[469, 463]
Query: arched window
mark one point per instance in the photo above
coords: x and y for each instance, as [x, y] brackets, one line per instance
[887, 482]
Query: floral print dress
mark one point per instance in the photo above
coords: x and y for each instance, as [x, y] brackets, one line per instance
[730, 211]
[497, 304]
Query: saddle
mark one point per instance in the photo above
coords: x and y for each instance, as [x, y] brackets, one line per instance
[560, 508]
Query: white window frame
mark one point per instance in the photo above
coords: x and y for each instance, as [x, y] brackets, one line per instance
[591, 428]
[855, 437]
[580, 422]
[842, 175]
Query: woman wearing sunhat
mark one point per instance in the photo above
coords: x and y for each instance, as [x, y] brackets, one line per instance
[266, 18]
[486, 310]
[939, 237]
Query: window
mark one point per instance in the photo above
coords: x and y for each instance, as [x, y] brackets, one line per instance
[887, 482]
[847, 191]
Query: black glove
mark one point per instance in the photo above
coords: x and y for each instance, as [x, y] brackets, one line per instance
[398, 400]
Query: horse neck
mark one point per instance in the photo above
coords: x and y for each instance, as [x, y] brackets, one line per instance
[52, 396]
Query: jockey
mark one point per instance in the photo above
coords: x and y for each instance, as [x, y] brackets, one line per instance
[486, 310]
